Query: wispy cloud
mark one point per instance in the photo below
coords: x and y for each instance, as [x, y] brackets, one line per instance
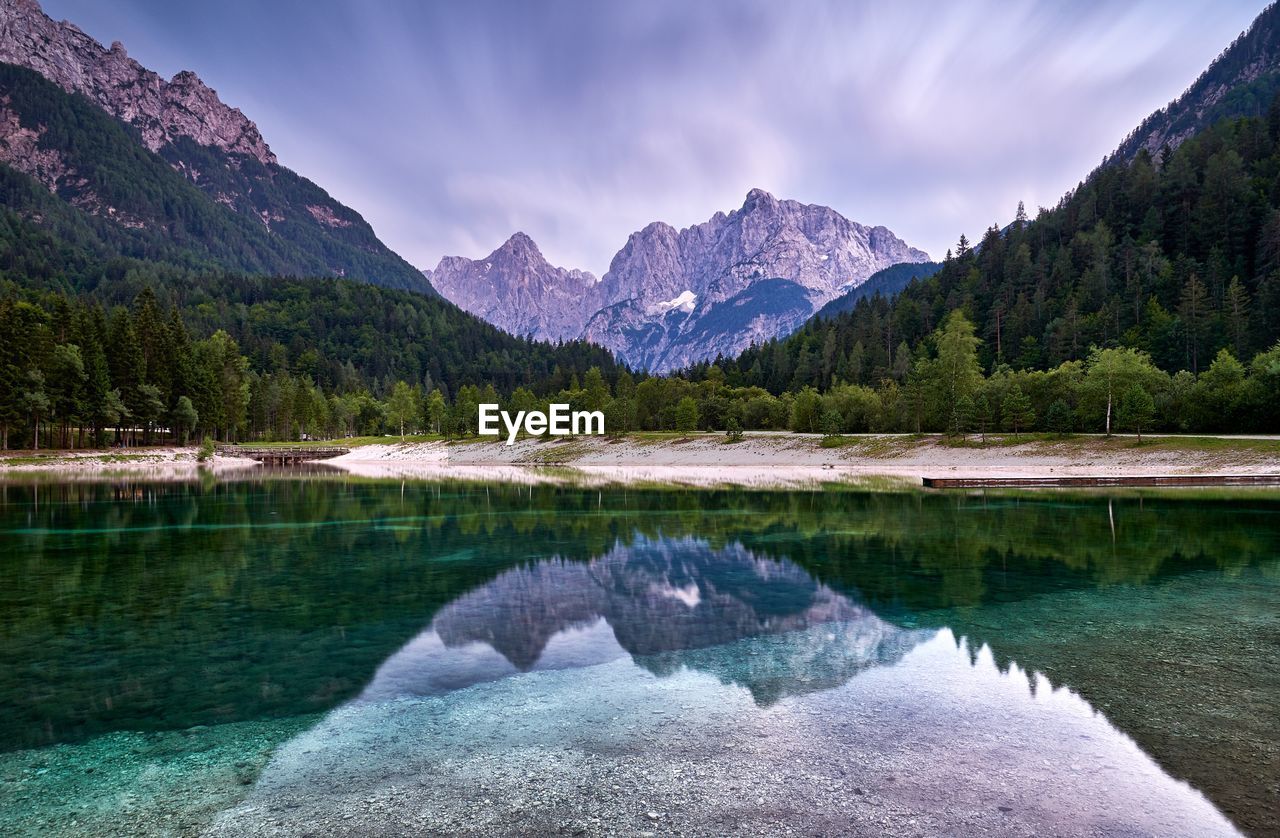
[451, 125]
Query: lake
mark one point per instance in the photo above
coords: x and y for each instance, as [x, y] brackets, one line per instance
[323, 655]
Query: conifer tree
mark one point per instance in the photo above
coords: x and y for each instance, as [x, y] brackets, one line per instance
[1016, 410]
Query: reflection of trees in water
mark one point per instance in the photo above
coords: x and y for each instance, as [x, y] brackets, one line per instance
[956, 538]
[183, 604]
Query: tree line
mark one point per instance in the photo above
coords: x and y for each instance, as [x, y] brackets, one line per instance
[75, 373]
[943, 390]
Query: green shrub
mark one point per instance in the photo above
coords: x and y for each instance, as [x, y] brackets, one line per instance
[206, 449]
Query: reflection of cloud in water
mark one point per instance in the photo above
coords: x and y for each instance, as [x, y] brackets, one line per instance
[939, 743]
[664, 603]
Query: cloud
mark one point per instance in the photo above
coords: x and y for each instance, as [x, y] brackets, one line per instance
[450, 126]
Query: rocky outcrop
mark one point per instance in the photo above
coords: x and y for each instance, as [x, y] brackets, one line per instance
[514, 287]
[161, 110]
[1242, 81]
[674, 297]
[20, 148]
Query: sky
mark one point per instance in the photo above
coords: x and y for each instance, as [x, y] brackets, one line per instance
[451, 125]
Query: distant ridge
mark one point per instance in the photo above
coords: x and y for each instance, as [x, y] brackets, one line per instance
[887, 283]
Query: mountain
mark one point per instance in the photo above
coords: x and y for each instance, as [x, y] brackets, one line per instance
[1242, 81]
[673, 297]
[666, 288]
[516, 288]
[887, 283]
[71, 169]
[244, 212]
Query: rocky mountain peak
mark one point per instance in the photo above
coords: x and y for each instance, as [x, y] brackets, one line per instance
[516, 288]
[759, 199]
[162, 111]
[519, 245]
[673, 297]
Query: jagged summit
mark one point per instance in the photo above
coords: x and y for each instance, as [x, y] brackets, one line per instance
[517, 289]
[162, 111]
[519, 244]
[673, 297]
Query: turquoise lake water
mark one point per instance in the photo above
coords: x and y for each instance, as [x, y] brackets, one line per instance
[322, 655]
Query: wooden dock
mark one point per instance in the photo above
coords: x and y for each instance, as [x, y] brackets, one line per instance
[281, 455]
[1107, 481]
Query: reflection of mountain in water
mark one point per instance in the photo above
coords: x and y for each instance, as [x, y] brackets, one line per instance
[668, 604]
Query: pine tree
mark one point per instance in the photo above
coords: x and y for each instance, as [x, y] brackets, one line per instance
[955, 374]
[125, 361]
[1193, 309]
[1058, 418]
[35, 403]
[1237, 311]
[1016, 410]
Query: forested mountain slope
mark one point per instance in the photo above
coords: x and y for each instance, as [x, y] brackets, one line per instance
[1241, 82]
[887, 283]
[241, 208]
[72, 169]
[235, 356]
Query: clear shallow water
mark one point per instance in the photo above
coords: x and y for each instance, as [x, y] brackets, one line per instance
[323, 656]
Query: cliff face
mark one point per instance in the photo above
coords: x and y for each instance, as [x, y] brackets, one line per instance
[162, 111]
[516, 288]
[674, 297]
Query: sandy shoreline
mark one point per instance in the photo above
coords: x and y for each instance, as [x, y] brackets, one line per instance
[760, 460]
[160, 463]
[793, 460]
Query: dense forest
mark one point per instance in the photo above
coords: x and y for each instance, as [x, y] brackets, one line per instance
[277, 358]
